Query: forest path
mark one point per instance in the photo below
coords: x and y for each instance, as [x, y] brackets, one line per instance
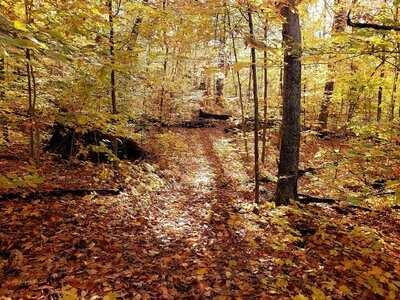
[193, 224]
[184, 210]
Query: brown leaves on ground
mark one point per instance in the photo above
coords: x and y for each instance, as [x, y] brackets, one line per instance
[195, 236]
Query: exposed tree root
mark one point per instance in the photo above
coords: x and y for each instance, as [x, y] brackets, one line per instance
[66, 141]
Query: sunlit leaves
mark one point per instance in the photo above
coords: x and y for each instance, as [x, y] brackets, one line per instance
[20, 26]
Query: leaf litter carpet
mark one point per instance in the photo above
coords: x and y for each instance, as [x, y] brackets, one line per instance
[196, 237]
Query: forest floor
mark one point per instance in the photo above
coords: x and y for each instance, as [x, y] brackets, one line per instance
[188, 229]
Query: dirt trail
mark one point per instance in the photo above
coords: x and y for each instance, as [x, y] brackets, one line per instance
[193, 233]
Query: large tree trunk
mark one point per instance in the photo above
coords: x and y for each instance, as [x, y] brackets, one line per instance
[255, 96]
[290, 132]
[339, 24]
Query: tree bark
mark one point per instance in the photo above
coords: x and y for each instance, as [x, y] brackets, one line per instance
[31, 90]
[339, 25]
[112, 74]
[290, 132]
[220, 80]
[135, 29]
[265, 108]
[394, 94]
[112, 57]
[240, 89]
[380, 97]
[255, 96]
[3, 122]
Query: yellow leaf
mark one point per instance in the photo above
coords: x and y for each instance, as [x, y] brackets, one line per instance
[20, 26]
[281, 283]
[318, 294]
[201, 272]
[232, 263]
[344, 289]
[300, 297]
[69, 293]
[110, 296]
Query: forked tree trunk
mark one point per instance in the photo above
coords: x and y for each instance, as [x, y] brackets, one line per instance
[255, 95]
[290, 132]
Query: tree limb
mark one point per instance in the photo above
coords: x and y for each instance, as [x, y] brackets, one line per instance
[370, 25]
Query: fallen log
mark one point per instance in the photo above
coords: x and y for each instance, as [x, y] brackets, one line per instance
[58, 193]
[301, 172]
[67, 142]
[249, 125]
[307, 199]
[207, 115]
[195, 124]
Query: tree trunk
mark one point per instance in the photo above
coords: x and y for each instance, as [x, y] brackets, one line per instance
[240, 90]
[31, 90]
[339, 25]
[112, 75]
[3, 122]
[255, 95]
[112, 57]
[265, 108]
[135, 30]
[380, 97]
[220, 80]
[304, 105]
[165, 66]
[290, 132]
[394, 94]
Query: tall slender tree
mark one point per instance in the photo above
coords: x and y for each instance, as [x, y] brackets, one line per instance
[3, 123]
[255, 98]
[239, 85]
[338, 26]
[265, 103]
[112, 57]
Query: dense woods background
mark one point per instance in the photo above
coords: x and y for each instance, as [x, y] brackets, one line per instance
[151, 110]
